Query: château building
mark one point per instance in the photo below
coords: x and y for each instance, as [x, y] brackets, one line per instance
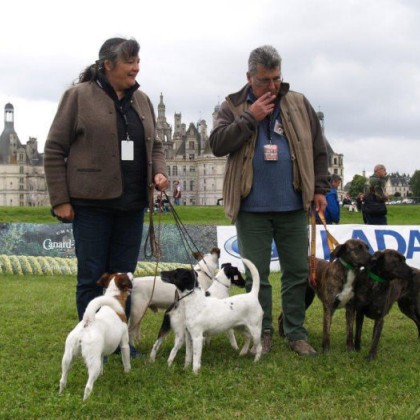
[335, 160]
[22, 177]
[190, 160]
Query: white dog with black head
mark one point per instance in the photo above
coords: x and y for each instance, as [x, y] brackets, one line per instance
[174, 318]
[151, 292]
[206, 316]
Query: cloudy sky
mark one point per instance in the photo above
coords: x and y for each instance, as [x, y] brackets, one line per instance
[357, 61]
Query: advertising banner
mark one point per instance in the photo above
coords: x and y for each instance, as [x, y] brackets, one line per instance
[405, 239]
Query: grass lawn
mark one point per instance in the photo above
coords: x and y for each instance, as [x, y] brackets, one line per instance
[38, 312]
[210, 215]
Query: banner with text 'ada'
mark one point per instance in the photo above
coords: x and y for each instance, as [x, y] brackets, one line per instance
[405, 239]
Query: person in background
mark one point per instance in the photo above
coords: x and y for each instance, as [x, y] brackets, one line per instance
[374, 207]
[359, 201]
[332, 212]
[347, 200]
[102, 159]
[177, 193]
[276, 169]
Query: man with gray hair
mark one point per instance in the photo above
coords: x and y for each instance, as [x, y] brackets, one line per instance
[374, 207]
[276, 169]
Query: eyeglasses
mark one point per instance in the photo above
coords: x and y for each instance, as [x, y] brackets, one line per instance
[265, 82]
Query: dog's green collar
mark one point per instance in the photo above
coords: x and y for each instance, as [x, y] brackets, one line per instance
[375, 277]
[346, 264]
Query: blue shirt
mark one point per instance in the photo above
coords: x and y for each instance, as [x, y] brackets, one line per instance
[272, 188]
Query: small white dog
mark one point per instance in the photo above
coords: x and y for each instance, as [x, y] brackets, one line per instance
[151, 292]
[174, 316]
[206, 316]
[102, 329]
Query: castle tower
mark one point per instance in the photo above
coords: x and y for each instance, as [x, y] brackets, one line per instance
[163, 128]
[335, 160]
[9, 140]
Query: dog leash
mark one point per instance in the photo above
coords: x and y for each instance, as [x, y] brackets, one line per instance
[154, 244]
[187, 241]
[331, 242]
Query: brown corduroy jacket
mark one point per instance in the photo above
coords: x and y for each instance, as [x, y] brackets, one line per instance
[82, 158]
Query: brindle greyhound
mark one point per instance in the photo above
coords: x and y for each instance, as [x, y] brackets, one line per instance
[335, 282]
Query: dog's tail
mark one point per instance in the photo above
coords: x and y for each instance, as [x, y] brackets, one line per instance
[96, 304]
[255, 276]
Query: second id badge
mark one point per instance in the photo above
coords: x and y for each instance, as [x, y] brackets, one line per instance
[271, 152]
[127, 150]
[278, 128]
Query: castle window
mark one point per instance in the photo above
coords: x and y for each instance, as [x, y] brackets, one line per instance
[21, 169]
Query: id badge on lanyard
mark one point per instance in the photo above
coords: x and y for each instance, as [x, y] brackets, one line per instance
[127, 149]
[271, 152]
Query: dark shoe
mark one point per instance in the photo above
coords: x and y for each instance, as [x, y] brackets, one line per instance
[266, 341]
[134, 353]
[302, 348]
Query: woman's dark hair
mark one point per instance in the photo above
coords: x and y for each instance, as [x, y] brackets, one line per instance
[112, 50]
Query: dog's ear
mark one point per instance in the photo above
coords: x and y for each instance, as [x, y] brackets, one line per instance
[104, 280]
[337, 252]
[123, 282]
[375, 259]
[227, 265]
[215, 250]
[198, 255]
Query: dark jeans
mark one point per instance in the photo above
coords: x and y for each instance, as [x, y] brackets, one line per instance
[289, 230]
[106, 241]
[371, 219]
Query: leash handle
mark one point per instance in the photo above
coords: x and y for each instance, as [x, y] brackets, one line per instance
[312, 258]
[331, 241]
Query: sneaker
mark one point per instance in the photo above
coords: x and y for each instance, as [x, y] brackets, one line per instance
[134, 353]
[266, 341]
[302, 348]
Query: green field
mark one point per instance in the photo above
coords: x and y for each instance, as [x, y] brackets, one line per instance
[403, 214]
[37, 312]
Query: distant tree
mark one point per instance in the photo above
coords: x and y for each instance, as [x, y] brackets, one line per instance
[415, 183]
[357, 185]
[397, 194]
